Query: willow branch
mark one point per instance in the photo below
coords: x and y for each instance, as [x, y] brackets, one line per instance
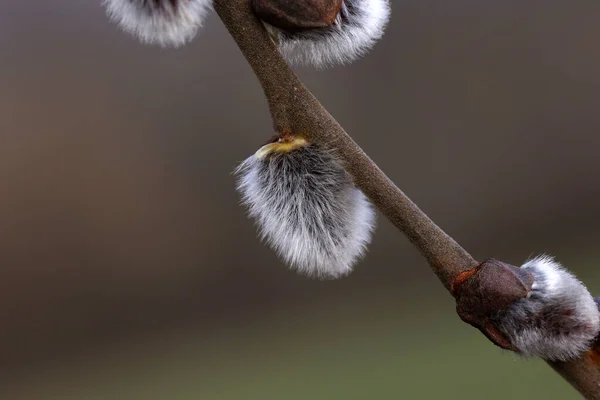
[295, 110]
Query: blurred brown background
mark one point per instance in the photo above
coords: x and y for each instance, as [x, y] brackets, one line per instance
[128, 271]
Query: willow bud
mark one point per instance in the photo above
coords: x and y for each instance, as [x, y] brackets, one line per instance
[306, 206]
[558, 320]
[164, 22]
[315, 39]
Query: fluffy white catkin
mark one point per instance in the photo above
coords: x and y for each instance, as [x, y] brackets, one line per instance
[558, 320]
[306, 207]
[164, 22]
[358, 26]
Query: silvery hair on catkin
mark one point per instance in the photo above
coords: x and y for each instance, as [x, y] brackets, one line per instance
[307, 209]
[557, 321]
[357, 28]
[164, 22]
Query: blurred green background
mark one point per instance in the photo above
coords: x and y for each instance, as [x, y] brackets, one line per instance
[128, 271]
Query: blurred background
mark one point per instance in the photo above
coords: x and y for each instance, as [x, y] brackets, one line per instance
[128, 270]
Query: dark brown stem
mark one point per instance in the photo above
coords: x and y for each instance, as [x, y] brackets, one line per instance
[583, 374]
[295, 110]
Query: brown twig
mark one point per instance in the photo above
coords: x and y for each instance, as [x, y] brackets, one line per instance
[294, 109]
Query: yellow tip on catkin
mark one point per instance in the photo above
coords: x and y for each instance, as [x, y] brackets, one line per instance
[283, 145]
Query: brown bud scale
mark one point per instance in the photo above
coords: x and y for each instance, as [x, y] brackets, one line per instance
[487, 289]
[297, 15]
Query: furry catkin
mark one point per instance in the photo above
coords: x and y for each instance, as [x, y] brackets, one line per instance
[307, 208]
[557, 321]
[358, 26]
[164, 22]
